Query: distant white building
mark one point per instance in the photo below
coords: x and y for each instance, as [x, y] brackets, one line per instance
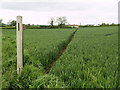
[74, 25]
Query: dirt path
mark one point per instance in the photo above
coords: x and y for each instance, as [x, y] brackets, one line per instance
[60, 53]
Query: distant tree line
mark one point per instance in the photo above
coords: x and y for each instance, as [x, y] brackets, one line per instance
[11, 24]
[61, 23]
[99, 25]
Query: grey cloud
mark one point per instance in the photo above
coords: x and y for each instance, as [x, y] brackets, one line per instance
[43, 6]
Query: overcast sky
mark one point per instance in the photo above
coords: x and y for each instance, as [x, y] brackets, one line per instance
[76, 11]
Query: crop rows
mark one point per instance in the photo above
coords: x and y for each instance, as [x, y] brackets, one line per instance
[91, 59]
[40, 49]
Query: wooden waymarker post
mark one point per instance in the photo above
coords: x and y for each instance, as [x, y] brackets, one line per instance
[19, 41]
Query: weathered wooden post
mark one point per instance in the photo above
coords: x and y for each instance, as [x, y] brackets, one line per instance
[19, 41]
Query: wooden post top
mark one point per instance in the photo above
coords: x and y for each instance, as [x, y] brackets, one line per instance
[19, 19]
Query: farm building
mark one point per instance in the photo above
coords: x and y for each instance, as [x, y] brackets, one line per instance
[74, 25]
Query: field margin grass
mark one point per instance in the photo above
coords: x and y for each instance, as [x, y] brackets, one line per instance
[118, 56]
[0, 58]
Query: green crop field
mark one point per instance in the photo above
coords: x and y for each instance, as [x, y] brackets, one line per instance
[87, 60]
[91, 59]
[41, 48]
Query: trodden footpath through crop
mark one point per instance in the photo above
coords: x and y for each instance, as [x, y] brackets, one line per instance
[61, 52]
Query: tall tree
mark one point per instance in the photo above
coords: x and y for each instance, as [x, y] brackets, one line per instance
[61, 21]
[51, 21]
[1, 22]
